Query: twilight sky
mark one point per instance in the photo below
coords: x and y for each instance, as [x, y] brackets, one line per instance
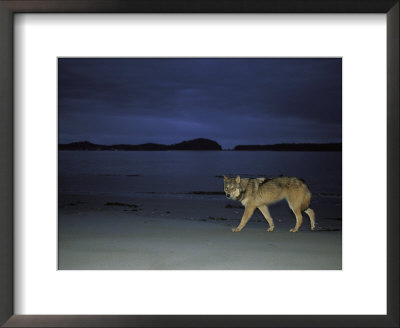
[230, 100]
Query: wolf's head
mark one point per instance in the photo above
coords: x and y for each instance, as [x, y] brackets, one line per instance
[232, 187]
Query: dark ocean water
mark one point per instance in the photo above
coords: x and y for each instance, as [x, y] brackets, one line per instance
[124, 173]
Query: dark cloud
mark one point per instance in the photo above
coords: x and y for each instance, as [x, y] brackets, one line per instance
[133, 100]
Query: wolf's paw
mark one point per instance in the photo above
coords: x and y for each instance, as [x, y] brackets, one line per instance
[312, 228]
[293, 230]
[270, 229]
[236, 230]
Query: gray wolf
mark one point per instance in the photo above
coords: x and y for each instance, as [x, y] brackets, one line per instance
[261, 192]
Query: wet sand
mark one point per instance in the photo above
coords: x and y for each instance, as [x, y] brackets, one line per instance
[161, 232]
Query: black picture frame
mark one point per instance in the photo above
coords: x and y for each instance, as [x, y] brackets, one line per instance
[10, 7]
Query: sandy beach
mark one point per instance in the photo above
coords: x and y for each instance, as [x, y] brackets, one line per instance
[174, 232]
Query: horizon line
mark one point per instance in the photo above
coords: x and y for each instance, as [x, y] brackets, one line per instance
[233, 148]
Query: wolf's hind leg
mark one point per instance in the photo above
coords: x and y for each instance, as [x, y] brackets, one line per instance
[311, 215]
[264, 210]
[248, 212]
[299, 219]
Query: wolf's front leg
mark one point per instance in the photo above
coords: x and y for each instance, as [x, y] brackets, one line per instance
[248, 211]
[264, 210]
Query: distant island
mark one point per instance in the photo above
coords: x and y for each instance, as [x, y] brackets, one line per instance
[202, 144]
[195, 144]
[294, 147]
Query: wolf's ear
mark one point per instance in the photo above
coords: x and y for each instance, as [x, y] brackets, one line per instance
[237, 179]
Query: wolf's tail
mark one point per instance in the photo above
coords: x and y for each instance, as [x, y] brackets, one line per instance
[306, 200]
[306, 208]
